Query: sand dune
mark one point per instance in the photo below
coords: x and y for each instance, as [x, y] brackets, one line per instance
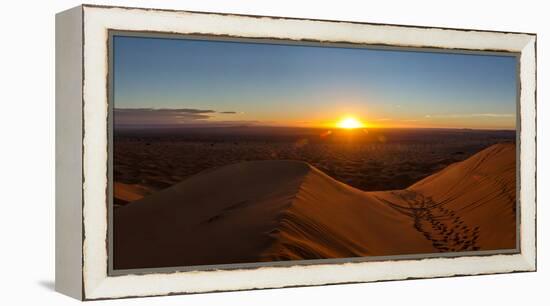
[126, 193]
[280, 210]
[476, 197]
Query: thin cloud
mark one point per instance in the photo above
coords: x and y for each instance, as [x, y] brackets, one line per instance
[494, 115]
[486, 115]
[227, 112]
[161, 116]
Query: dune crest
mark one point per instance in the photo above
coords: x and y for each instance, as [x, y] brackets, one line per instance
[289, 210]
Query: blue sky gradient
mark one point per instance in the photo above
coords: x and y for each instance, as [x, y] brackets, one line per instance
[293, 85]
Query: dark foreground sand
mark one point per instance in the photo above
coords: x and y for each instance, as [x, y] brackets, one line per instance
[288, 210]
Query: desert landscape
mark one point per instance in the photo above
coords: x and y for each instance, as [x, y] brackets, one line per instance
[208, 200]
[236, 152]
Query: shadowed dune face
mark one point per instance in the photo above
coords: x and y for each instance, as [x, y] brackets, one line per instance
[288, 210]
[230, 213]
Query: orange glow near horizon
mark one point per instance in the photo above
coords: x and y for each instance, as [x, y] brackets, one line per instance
[349, 123]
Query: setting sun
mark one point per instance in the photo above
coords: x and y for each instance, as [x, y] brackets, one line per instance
[349, 123]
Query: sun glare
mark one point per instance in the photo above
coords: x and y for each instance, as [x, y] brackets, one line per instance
[349, 123]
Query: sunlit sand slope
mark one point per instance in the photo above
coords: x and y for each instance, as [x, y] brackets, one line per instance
[280, 210]
[473, 200]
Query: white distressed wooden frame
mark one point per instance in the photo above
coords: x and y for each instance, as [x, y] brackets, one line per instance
[81, 131]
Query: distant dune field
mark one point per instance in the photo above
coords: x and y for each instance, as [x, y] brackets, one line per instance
[150, 160]
[272, 210]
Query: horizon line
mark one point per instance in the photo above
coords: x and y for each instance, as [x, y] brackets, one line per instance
[209, 126]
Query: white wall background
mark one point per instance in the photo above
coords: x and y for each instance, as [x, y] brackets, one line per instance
[27, 152]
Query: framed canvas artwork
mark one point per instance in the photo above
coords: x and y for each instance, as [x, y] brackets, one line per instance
[201, 152]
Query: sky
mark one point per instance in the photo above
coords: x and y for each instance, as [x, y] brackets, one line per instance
[215, 83]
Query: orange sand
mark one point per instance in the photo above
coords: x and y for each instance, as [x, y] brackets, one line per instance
[125, 193]
[280, 210]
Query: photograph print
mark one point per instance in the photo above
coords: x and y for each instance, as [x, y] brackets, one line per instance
[233, 152]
